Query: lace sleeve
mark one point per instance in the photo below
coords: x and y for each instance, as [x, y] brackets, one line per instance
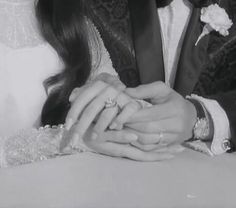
[101, 61]
[35, 145]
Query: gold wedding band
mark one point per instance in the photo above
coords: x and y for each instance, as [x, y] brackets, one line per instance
[161, 136]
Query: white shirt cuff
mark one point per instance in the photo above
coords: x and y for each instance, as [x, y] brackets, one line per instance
[220, 122]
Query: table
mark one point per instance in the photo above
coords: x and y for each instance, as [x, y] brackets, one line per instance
[88, 180]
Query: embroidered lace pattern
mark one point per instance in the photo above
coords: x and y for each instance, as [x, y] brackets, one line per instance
[35, 145]
[100, 56]
[18, 24]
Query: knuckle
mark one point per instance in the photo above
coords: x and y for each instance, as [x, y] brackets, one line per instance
[110, 90]
[119, 86]
[75, 90]
[100, 83]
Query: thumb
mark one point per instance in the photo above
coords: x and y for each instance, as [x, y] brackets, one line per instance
[154, 90]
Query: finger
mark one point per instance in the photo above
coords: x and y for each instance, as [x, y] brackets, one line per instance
[82, 100]
[123, 99]
[146, 139]
[104, 120]
[147, 148]
[127, 151]
[93, 109]
[78, 90]
[161, 139]
[122, 137]
[107, 116]
[127, 111]
[149, 91]
[130, 136]
[169, 125]
[160, 111]
[74, 94]
[111, 80]
[161, 148]
[173, 149]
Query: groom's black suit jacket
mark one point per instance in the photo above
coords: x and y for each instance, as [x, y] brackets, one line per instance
[131, 32]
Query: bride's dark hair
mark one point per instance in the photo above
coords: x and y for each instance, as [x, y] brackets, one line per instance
[64, 25]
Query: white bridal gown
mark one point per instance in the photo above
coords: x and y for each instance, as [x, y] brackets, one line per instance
[26, 60]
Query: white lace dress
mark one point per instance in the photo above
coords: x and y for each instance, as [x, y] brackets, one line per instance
[26, 60]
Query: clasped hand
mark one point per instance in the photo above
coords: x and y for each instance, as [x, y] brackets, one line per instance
[129, 129]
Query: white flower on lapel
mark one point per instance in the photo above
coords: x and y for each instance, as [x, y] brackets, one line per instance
[216, 19]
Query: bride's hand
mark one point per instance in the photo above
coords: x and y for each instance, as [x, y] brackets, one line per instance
[104, 77]
[89, 105]
[116, 144]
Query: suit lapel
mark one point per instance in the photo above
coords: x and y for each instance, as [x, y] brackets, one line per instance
[192, 57]
[147, 40]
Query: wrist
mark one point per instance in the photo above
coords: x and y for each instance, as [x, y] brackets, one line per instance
[203, 128]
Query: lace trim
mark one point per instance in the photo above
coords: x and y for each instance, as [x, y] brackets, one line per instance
[18, 24]
[2, 155]
[95, 45]
[99, 52]
[33, 145]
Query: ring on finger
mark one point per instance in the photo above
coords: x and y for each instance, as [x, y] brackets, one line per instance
[110, 103]
[161, 137]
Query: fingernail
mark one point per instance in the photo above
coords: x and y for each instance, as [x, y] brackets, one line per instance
[94, 136]
[71, 98]
[131, 137]
[73, 95]
[69, 124]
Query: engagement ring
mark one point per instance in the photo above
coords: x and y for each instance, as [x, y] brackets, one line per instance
[110, 103]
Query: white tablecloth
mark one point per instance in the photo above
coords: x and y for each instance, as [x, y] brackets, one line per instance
[87, 180]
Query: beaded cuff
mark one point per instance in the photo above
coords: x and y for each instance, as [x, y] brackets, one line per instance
[35, 145]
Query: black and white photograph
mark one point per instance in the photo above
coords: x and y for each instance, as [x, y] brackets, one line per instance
[117, 103]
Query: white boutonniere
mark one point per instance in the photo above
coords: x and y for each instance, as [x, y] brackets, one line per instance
[216, 19]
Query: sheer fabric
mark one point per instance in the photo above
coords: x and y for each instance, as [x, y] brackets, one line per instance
[26, 60]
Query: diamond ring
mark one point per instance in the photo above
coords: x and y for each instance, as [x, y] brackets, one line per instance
[110, 103]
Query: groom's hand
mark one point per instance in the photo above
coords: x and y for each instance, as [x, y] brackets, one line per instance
[171, 117]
